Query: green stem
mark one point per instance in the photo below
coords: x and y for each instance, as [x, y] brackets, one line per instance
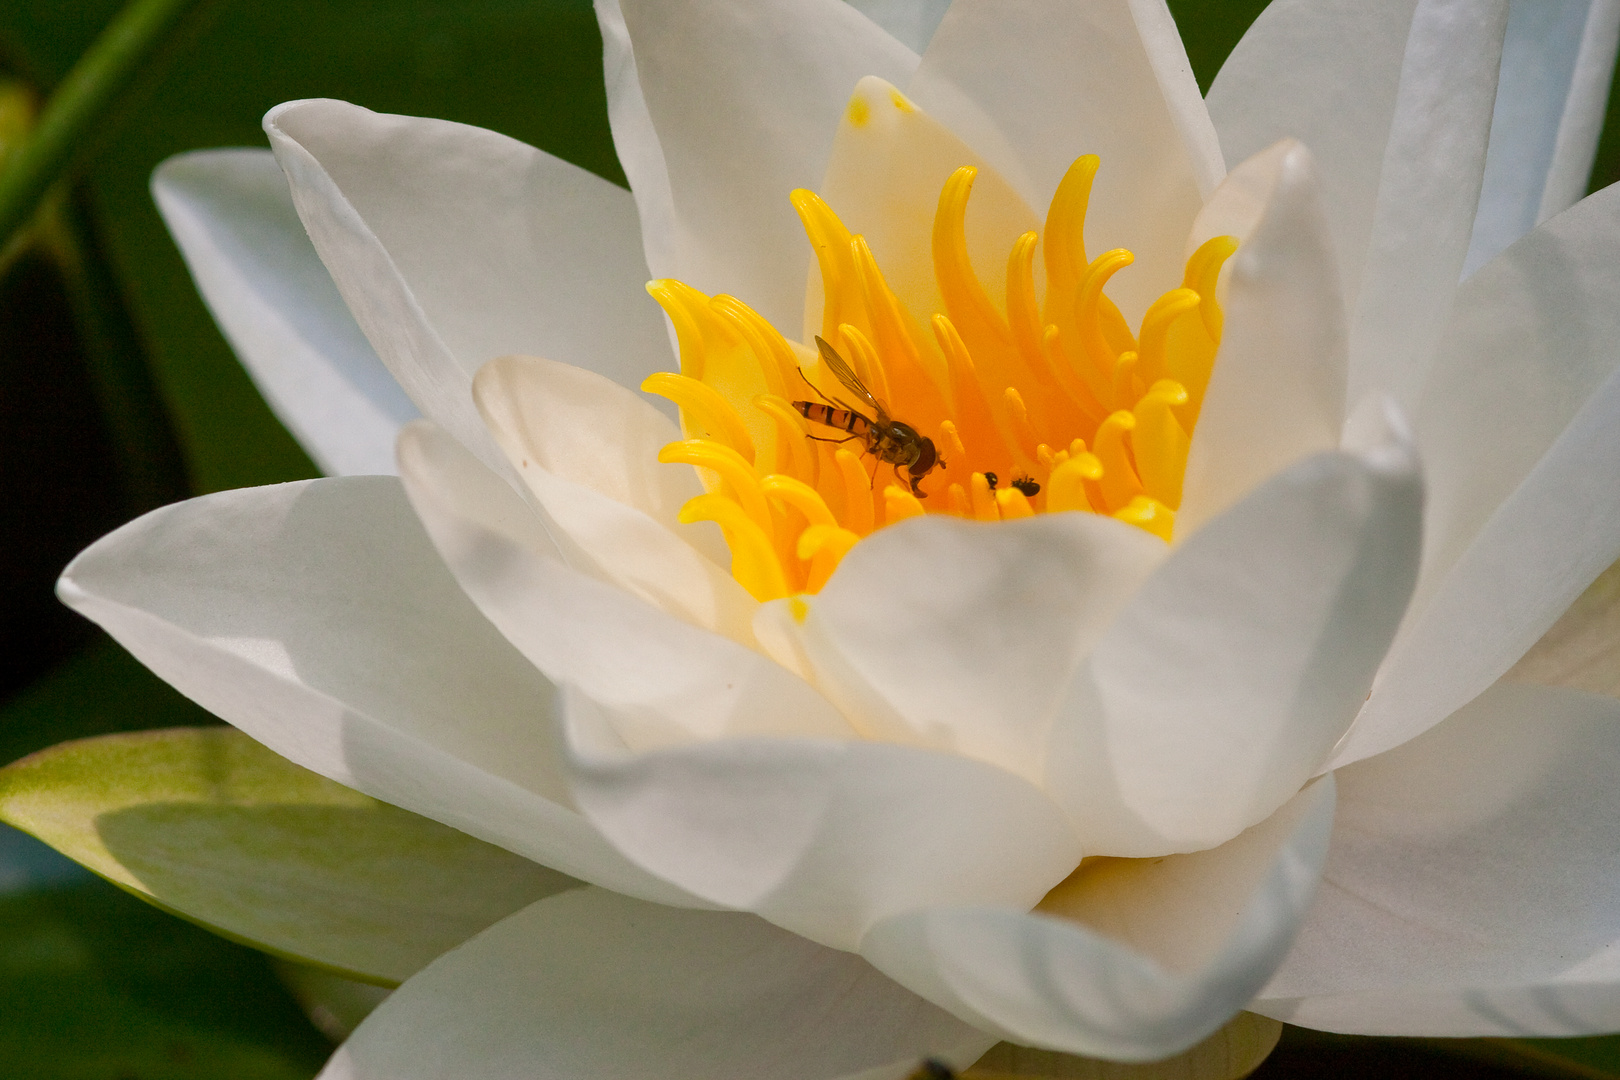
[83, 98]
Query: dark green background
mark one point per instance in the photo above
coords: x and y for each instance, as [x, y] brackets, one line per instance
[118, 394]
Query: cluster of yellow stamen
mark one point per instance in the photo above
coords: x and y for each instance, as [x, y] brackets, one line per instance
[1054, 390]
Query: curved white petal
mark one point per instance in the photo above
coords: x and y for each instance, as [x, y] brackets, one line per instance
[1277, 391]
[1131, 961]
[1240, 663]
[317, 618]
[1516, 431]
[1557, 60]
[822, 837]
[1582, 650]
[959, 635]
[912, 22]
[1325, 72]
[718, 112]
[453, 245]
[1469, 886]
[234, 221]
[587, 449]
[1427, 195]
[1584, 109]
[884, 178]
[595, 986]
[1053, 80]
[660, 678]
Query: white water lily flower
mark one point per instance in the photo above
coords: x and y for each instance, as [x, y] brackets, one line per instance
[899, 762]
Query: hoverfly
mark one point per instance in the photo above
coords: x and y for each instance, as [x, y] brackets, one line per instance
[891, 441]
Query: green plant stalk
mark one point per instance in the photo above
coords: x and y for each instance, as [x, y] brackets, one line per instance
[82, 99]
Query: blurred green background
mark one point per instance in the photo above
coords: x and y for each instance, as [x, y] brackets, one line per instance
[117, 394]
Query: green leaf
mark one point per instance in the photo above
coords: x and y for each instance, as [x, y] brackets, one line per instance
[208, 824]
[95, 985]
[94, 85]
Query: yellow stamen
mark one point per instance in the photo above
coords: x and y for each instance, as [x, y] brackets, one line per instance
[731, 468]
[1089, 318]
[824, 546]
[966, 302]
[1119, 482]
[704, 410]
[860, 353]
[1065, 231]
[1019, 415]
[793, 433]
[776, 360]
[802, 497]
[1160, 443]
[1156, 329]
[1013, 504]
[899, 504]
[894, 336]
[1149, 514]
[753, 561]
[842, 301]
[1127, 387]
[1066, 488]
[857, 492]
[984, 501]
[1051, 391]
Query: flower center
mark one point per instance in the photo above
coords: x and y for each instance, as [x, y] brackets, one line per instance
[1050, 405]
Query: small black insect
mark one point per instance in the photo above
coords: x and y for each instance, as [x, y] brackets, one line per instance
[1027, 485]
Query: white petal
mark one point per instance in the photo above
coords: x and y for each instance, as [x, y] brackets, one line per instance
[959, 635]
[1469, 886]
[1516, 432]
[1543, 129]
[661, 679]
[884, 179]
[1277, 391]
[1582, 650]
[230, 212]
[719, 112]
[1584, 109]
[1054, 80]
[1137, 963]
[453, 245]
[1240, 663]
[1325, 72]
[1427, 194]
[600, 987]
[823, 837]
[912, 22]
[588, 450]
[317, 618]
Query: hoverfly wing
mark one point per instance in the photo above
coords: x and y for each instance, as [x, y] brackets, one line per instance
[846, 375]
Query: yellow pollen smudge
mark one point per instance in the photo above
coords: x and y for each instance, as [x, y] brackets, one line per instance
[859, 111]
[804, 450]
